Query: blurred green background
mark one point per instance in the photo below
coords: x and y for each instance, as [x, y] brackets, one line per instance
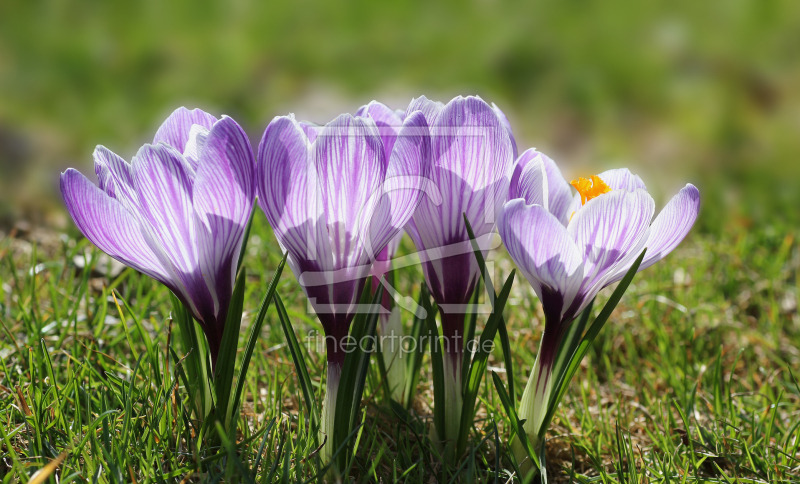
[707, 92]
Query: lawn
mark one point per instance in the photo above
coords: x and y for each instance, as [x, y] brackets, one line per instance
[689, 381]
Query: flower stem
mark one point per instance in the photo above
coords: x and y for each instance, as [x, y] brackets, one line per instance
[452, 344]
[536, 397]
[329, 410]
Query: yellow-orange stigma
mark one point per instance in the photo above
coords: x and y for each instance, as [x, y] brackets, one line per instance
[590, 188]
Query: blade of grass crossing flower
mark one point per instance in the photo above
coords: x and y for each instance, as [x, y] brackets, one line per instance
[418, 333]
[246, 234]
[487, 279]
[576, 358]
[382, 373]
[516, 424]
[226, 361]
[437, 365]
[479, 363]
[505, 342]
[297, 358]
[571, 341]
[472, 322]
[196, 355]
[354, 372]
[255, 332]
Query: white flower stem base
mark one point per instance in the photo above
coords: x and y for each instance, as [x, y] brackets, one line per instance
[329, 411]
[446, 439]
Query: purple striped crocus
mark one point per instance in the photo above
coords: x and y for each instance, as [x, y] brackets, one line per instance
[472, 155]
[335, 197]
[569, 247]
[177, 212]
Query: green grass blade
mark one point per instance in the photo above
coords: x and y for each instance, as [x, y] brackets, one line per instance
[252, 339]
[479, 363]
[508, 360]
[472, 322]
[226, 360]
[354, 373]
[418, 333]
[570, 341]
[246, 237]
[298, 359]
[514, 421]
[437, 366]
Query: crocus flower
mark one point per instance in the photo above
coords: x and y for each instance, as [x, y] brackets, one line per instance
[389, 123]
[335, 200]
[569, 248]
[472, 155]
[177, 212]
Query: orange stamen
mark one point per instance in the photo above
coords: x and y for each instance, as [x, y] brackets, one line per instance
[590, 189]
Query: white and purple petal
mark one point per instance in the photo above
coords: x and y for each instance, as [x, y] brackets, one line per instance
[622, 179]
[669, 228]
[536, 174]
[507, 124]
[289, 195]
[544, 252]
[472, 159]
[176, 129]
[388, 121]
[310, 129]
[109, 226]
[165, 197]
[348, 155]
[430, 109]
[223, 198]
[197, 139]
[406, 182]
[608, 230]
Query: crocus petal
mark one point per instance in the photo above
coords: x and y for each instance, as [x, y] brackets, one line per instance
[672, 225]
[288, 193]
[507, 125]
[197, 138]
[310, 129]
[405, 184]
[102, 159]
[175, 130]
[531, 171]
[430, 109]
[348, 155]
[545, 253]
[622, 179]
[223, 197]
[669, 228]
[472, 159]
[387, 121]
[607, 230]
[165, 195]
[109, 226]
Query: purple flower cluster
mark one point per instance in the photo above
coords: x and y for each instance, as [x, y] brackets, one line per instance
[339, 197]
